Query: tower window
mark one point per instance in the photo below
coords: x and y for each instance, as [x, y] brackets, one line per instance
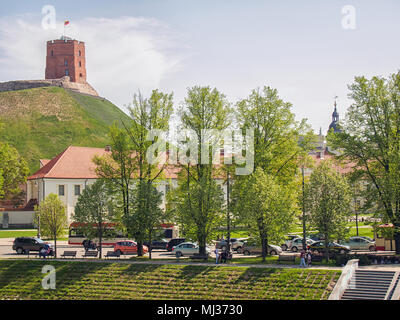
[52, 53]
[80, 64]
[66, 63]
[66, 72]
[80, 53]
[80, 75]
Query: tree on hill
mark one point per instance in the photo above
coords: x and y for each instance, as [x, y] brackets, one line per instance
[13, 172]
[53, 218]
[94, 210]
[328, 199]
[370, 137]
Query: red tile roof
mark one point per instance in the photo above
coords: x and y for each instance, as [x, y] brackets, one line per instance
[72, 163]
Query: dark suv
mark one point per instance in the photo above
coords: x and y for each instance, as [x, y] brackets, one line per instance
[174, 242]
[23, 244]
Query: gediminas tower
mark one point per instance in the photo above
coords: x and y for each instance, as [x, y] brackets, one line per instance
[66, 57]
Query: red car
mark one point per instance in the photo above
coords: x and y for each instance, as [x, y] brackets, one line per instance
[128, 247]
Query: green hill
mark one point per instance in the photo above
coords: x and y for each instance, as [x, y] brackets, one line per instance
[42, 122]
[102, 280]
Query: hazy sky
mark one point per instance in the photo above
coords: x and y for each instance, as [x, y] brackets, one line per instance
[299, 47]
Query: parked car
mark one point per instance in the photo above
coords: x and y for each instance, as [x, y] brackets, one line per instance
[186, 249]
[297, 244]
[157, 244]
[253, 248]
[23, 244]
[174, 242]
[288, 242]
[128, 247]
[316, 236]
[360, 243]
[319, 247]
[235, 244]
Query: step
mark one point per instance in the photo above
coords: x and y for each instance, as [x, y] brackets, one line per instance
[358, 298]
[366, 291]
[378, 273]
[362, 294]
[368, 288]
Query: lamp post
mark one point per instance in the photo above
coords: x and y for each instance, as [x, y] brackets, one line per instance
[228, 216]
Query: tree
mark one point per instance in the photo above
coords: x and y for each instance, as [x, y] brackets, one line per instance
[94, 210]
[200, 201]
[147, 212]
[53, 218]
[128, 164]
[13, 172]
[370, 138]
[266, 206]
[328, 199]
[280, 143]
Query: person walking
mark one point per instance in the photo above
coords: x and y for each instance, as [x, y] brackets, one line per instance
[216, 255]
[302, 258]
[309, 258]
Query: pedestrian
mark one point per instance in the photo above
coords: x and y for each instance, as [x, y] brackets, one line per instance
[302, 258]
[42, 252]
[309, 257]
[216, 255]
[224, 256]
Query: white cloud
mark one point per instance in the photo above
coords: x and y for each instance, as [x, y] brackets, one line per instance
[123, 55]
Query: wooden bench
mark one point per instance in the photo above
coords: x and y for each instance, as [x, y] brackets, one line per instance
[198, 256]
[90, 254]
[285, 257]
[112, 254]
[71, 254]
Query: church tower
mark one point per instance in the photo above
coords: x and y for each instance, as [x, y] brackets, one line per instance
[66, 57]
[335, 120]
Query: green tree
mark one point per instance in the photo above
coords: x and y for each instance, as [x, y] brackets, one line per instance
[95, 209]
[53, 218]
[147, 213]
[370, 138]
[200, 202]
[328, 199]
[266, 206]
[13, 172]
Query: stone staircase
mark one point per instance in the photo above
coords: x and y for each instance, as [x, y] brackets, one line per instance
[370, 285]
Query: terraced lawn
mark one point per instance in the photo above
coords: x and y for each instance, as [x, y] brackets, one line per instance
[85, 280]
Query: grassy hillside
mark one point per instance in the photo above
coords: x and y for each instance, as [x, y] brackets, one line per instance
[42, 122]
[95, 280]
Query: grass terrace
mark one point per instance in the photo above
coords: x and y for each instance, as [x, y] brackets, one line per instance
[85, 280]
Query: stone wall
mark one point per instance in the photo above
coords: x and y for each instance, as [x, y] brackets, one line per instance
[64, 82]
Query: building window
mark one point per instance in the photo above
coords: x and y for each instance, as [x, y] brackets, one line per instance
[77, 190]
[80, 53]
[66, 63]
[66, 72]
[61, 190]
[80, 75]
[52, 53]
[80, 64]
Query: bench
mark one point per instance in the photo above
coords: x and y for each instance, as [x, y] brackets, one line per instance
[285, 257]
[71, 254]
[112, 254]
[317, 258]
[199, 256]
[90, 254]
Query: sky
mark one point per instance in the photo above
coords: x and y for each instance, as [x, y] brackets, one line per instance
[309, 50]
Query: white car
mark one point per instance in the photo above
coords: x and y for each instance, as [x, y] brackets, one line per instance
[288, 242]
[187, 249]
[297, 244]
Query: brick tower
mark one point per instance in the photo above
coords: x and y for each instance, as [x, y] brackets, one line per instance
[66, 57]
